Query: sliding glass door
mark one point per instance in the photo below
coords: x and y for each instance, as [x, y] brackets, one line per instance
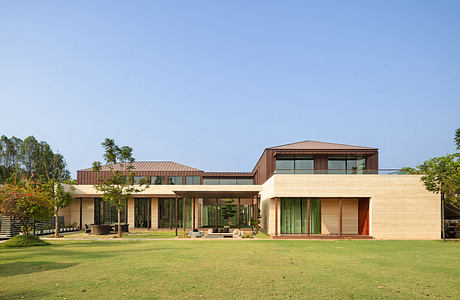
[294, 215]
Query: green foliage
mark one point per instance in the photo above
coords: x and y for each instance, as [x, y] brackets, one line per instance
[26, 240]
[30, 159]
[457, 138]
[229, 211]
[247, 236]
[441, 174]
[118, 185]
[25, 200]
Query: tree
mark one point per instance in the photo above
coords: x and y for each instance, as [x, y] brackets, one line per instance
[29, 155]
[118, 185]
[9, 157]
[56, 174]
[457, 138]
[229, 211]
[440, 175]
[25, 201]
[59, 198]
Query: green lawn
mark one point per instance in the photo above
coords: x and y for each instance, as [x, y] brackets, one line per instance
[247, 269]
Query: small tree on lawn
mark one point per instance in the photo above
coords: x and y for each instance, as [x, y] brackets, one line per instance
[56, 175]
[25, 201]
[118, 186]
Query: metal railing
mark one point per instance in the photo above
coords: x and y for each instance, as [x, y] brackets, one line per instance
[340, 171]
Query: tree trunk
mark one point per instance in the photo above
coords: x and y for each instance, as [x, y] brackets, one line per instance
[119, 222]
[56, 226]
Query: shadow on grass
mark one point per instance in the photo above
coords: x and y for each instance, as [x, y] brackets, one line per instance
[17, 268]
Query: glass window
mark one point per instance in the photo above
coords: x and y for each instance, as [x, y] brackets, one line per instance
[286, 164]
[157, 180]
[336, 165]
[356, 165]
[105, 213]
[192, 180]
[177, 180]
[242, 181]
[227, 181]
[210, 181]
[304, 164]
[137, 179]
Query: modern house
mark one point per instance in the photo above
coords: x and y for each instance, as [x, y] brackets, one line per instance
[307, 189]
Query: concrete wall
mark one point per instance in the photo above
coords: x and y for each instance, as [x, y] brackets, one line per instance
[400, 206]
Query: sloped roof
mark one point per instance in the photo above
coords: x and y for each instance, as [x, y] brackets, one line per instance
[315, 145]
[153, 166]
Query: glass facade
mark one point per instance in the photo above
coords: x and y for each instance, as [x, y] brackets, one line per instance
[209, 215]
[294, 215]
[157, 180]
[228, 181]
[167, 213]
[295, 166]
[142, 210]
[192, 180]
[355, 165]
[177, 180]
[137, 179]
[105, 213]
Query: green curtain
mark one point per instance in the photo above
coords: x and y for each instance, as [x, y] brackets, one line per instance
[180, 213]
[294, 215]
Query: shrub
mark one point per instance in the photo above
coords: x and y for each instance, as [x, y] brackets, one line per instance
[247, 236]
[27, 240]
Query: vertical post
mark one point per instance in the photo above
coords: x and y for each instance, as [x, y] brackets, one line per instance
[340, 216]
[183, 211]
[308, 216]
[170, 212]
[126, 212]
[176, 215]
[149, 214]
[258, 209]
[442, 219]
[81, 214]
[217, 227]
[193, 212]
[103, 211]
[276, 216]
[239, 214]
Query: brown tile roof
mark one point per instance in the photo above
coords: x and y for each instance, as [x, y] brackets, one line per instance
[152, 166]
[227, 174]
[315, 145]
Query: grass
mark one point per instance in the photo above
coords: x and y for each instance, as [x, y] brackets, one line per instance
[28, 240]
[222, 269]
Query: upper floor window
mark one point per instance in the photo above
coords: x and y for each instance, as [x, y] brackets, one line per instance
[295, 166]
[228, 181]
[157, 180]
[355, 165]
[195, 180]
[137, 179]
[177, 180]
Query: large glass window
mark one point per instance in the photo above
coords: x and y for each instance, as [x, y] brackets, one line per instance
[175, 180]
[167, 213]
[228, 181]
[209, 214]
[157, 180]
[142, 210]
[295, 166]
[294, 215]
[193, 180]
[354, 165]
[105, 213]
[137, 179]
[242, 181]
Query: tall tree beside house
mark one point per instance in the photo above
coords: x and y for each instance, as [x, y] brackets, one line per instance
[25, 201]
[441, 175]
[118, 186]
[56, 175]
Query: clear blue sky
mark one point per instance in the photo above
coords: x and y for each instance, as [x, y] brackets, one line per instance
[212, 83]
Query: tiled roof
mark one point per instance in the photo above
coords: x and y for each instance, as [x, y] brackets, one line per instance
[152, 166]
[315, 145]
